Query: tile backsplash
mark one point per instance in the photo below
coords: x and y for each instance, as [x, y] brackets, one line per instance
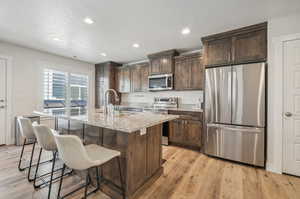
[184, 97]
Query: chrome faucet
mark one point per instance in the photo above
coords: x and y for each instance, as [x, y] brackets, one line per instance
[117, 99]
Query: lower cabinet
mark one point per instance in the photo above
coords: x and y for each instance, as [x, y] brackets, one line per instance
[193, 135]
[185, 132]
[176, 131]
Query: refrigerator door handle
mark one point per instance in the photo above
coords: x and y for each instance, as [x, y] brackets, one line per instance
[243, 129]
[236, 128]
[234, 94]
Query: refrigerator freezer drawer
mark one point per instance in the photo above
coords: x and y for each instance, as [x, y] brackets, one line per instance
[242, 144]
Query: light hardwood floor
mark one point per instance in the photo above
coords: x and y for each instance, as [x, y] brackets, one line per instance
[187, 175]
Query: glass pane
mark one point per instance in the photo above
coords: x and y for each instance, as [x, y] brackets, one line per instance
[157, 82]
[79, 91]
[55, 89]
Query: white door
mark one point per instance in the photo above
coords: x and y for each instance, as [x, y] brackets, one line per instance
[3, 81]
[291, 61]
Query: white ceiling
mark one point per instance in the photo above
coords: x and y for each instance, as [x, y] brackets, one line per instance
[154, 24]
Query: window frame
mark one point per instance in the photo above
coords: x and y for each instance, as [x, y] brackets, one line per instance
[68, 86]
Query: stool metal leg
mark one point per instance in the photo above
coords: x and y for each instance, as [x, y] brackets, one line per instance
[30, 163]
[37, 168]
[51, 177]
[61, 180]
[85, 186]
[87, 182]
[98, 178]
[21, 156]
[83, 133]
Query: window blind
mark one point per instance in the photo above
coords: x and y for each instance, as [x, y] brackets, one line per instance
[55, 85]
[78, 86]
[63, 89]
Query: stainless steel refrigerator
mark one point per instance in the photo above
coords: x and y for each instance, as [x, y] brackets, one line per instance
[235, 113]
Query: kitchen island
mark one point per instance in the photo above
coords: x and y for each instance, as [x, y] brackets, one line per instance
[137, 136]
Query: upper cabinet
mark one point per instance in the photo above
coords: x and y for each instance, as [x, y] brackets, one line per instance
[244, 45]
[218, 52]
[250, 47]
[188, 73]
[123, 79]
[104, 79]
[162, 62]
[139, 77]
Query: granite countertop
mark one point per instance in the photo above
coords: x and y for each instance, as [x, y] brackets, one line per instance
[183, 107]
[125, 122]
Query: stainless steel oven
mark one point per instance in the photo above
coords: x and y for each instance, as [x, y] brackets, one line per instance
[160, 82]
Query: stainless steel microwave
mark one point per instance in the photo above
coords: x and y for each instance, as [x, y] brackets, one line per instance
[160, 82]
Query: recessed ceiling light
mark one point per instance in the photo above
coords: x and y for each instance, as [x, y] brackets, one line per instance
[88, 20]
[185, 31]
[136, 45]
[103, 54]
[56, 39]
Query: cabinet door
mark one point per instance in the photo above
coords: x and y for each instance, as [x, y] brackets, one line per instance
[136, 78]
[182, 75]
[250, 47]
[218, 52]
[176, 131]
[193, 131]
[126, 80]
[119, 80]
[144, 77]
[197, 74]
[166, 65]
[155, 66]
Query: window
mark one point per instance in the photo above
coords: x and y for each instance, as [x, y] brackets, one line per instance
[63, 89]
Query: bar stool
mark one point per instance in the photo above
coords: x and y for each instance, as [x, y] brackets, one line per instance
[45, 138]
[27, 133]
[79, 157]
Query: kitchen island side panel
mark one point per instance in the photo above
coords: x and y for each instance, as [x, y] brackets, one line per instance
[141, 158]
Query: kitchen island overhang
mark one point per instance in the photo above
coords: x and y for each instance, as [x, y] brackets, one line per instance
[137, 136]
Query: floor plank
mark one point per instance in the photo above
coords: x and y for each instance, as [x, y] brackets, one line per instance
[187, 175]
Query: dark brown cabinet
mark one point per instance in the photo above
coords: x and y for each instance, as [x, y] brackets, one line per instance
[244, 45]
[250, 46]
[144, 77]
[187, 130]
[162, 62]
[155, 66]
[123, 79]
[104, 79]
[188, 73]
[218, 52]
[176, 131]
[193, 128]
[139, 77]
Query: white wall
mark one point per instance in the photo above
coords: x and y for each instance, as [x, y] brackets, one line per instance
[185, 97]
[27, 67]
[277, 28]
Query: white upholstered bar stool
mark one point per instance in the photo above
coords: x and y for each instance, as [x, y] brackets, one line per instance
[79, 157]
[27, 132]
[45, 138]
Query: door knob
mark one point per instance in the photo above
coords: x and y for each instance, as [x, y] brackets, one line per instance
[288, 114]
[1, 100]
